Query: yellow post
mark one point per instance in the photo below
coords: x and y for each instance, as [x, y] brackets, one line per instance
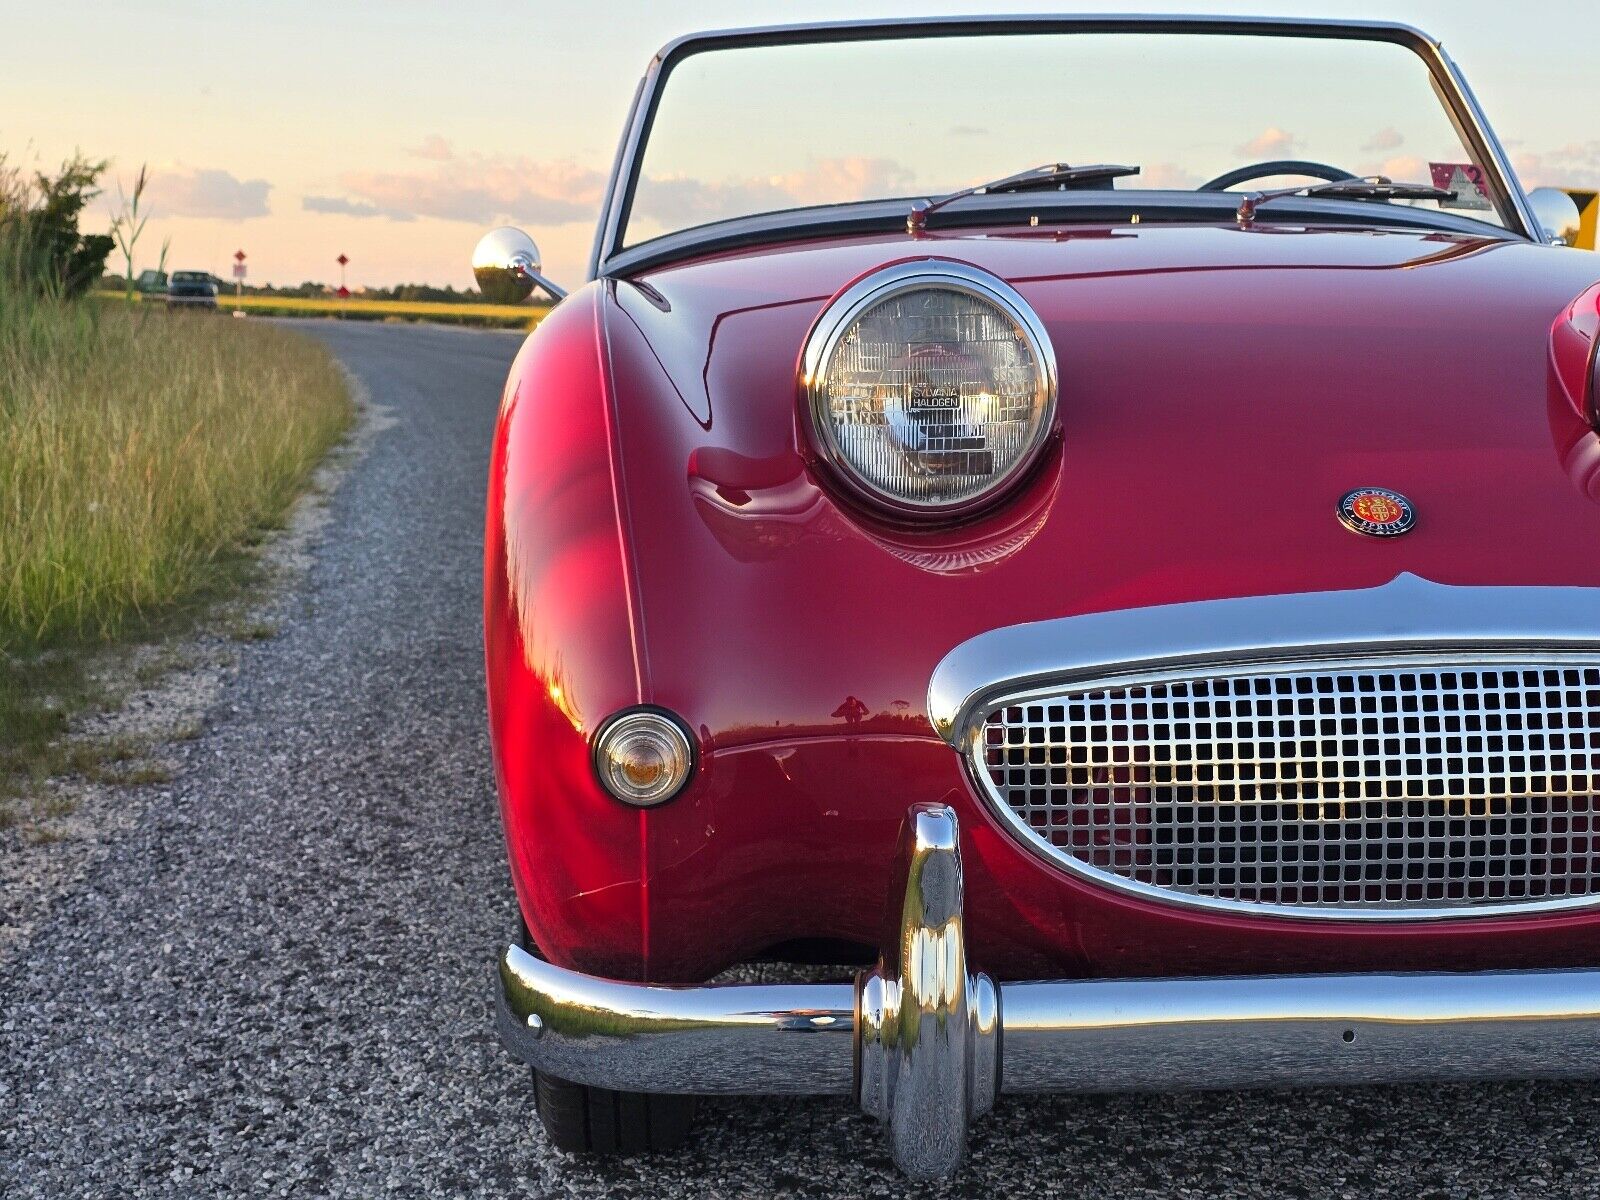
[1589, 209]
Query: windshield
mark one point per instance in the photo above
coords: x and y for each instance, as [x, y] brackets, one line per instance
[757, 129]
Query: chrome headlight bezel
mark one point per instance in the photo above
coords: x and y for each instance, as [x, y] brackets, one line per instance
[840, 316]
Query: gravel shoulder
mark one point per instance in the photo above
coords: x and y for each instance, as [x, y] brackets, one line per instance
[274, 977]
[158, 693]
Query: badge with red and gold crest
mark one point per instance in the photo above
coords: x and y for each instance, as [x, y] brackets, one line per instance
[1377, 512]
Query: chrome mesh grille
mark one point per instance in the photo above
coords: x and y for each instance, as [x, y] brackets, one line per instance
[1326, 786]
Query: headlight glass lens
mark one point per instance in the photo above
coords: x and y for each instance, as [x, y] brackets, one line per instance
[643, 758]
[933, 397]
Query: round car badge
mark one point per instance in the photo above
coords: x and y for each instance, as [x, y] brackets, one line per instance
[1377, 512]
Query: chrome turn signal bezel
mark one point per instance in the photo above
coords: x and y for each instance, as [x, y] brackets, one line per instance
[842, 312]
[649, 722]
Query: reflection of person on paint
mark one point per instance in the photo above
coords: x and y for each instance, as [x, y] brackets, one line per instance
[852, 710]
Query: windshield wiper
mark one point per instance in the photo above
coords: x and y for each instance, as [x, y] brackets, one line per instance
[1051, 175]
[1374, 187]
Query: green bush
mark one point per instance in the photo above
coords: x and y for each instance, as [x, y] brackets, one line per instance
[41, 250]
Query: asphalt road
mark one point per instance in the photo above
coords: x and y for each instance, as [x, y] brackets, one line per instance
[276, 981]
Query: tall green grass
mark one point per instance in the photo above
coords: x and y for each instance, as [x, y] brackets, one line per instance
[140, 453]
[137, 450]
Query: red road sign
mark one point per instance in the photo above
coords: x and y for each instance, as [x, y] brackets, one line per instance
[238, 256]
[341, 260]
[344, 293]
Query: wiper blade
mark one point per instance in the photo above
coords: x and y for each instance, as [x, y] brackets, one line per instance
[1374, 187]
[1051, 175]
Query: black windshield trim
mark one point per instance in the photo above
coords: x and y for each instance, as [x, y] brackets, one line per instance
[1014, 209]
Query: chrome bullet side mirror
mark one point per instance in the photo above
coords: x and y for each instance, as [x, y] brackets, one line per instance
[506, 266]
[1557, 214]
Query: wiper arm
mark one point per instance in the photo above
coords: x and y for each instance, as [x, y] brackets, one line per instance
[1051, 175]
[1374, 187]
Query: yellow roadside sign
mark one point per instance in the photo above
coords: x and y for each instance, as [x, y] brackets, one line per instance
[1589, 209]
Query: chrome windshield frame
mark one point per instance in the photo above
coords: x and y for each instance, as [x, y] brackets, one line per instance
[1459, 101]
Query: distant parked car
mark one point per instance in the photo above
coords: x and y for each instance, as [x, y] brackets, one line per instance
[192, 289]
[151, 282]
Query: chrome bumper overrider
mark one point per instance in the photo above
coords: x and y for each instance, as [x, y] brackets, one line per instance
[926, 1044]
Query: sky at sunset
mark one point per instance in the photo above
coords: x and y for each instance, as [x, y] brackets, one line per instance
[397, 132]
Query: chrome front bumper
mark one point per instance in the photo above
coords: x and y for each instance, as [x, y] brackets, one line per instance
[926, 1044]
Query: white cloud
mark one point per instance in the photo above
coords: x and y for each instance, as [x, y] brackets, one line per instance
[205, 192]
[1385, 139]
[339, 206]
[485, 188]
[1575, 165]
[681, 200]
[434, 148]
[1404, 169]
[855, 177]
[1167, 177]
[1270, 143]
[481, 189]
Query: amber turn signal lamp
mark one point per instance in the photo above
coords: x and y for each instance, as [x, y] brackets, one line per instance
[643, 757]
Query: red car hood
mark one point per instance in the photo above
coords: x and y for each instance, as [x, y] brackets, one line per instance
[1220, 390]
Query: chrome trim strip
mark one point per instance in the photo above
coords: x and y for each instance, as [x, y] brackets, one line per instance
[951, 275]
[937, 1041]
[1406, 618]
[625, 170]
[1406, 614]
[966, 26]
[618, 202]
[607, 232]
[1493, 151]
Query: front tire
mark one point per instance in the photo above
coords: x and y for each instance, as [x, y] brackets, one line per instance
[579, 1119]
[590, 1120]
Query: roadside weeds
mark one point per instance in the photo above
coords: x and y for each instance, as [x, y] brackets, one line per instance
[142, 463]
[134, 705]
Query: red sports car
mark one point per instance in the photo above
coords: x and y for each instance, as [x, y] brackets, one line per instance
[1136, 608]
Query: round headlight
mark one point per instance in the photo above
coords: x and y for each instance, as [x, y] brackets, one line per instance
[643, 757]
[931, 386]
